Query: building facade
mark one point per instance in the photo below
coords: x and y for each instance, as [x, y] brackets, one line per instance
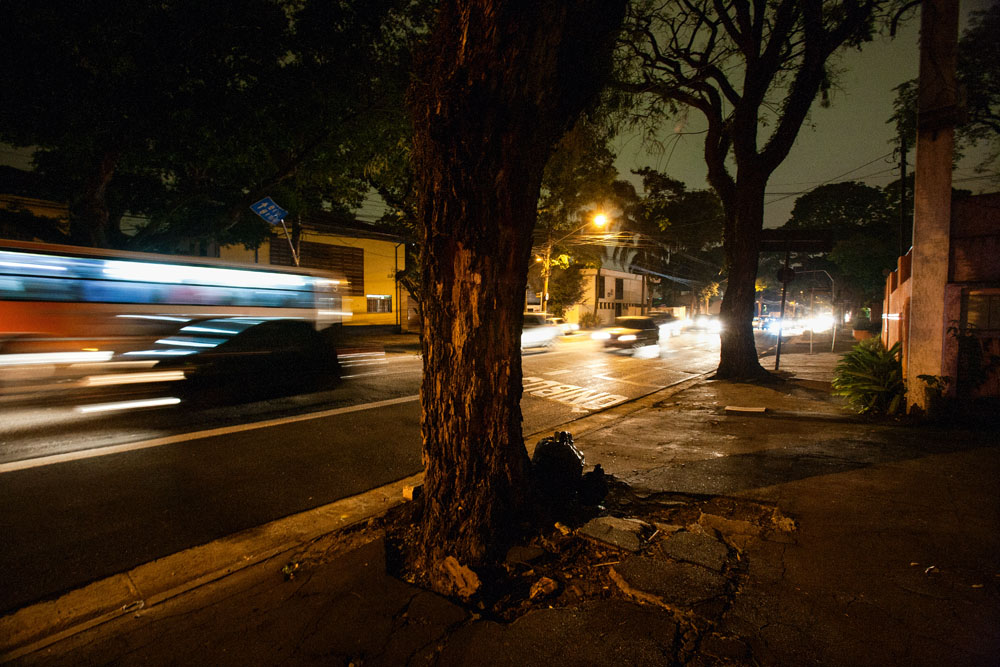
[969, 307]
[608, 294]
[367, 259]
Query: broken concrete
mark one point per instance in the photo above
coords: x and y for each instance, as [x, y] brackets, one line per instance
[622, 533]
[696, 548]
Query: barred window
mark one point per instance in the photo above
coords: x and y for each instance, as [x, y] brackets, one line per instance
[379, 303]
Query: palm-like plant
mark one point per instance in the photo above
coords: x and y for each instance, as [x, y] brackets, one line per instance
[871, 378]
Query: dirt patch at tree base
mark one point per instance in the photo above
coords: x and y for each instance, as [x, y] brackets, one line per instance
[561, 566]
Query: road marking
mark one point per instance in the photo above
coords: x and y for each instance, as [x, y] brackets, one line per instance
[562, 372]
[196, 435]
[569, 394]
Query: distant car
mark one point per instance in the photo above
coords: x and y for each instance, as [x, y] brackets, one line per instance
[563, 326]
[788, 327]
[668, 323]
[630, 331]
[709, 323]
[537, 332]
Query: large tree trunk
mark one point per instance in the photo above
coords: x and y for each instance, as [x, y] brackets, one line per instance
[501, 81]
[738, 351]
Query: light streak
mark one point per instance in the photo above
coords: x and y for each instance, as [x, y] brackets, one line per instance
[128, 405]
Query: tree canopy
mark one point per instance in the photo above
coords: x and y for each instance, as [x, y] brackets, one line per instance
[840, 207]
[681, 234]
[186, 112]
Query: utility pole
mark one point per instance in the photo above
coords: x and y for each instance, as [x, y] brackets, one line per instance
[546, 270]
[902, 193]
[938, 108]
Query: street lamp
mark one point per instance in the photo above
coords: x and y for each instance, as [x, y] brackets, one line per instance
[599, 220]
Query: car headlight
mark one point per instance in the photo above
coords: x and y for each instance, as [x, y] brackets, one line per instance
[627, 338]
[600, 335]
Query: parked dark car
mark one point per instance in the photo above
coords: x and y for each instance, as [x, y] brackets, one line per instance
[630, 331]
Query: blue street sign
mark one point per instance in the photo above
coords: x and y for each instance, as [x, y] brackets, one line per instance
[267, 209]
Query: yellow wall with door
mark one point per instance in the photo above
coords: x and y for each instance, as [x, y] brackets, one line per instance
[381, 261]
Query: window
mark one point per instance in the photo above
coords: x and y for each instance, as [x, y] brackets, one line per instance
[619, 289]
[379, 303]
[339, 259]
[982, 311]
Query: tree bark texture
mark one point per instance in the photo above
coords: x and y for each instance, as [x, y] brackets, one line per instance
[738, 349]
[500, 82]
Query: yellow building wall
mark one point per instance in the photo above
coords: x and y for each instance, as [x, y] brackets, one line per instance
[381, 261]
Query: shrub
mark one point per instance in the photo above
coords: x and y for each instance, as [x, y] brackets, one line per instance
[870, 377]
[589, 321]
[861, 323]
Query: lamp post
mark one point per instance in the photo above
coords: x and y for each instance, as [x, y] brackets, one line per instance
[599, 220]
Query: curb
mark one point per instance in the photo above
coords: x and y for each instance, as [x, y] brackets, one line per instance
[34, 627]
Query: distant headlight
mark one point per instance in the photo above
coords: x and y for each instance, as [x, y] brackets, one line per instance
[627, 338]
[600, 335]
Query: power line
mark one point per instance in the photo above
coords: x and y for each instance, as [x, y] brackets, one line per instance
[835, 178]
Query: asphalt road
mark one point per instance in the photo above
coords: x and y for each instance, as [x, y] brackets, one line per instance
[85, 496]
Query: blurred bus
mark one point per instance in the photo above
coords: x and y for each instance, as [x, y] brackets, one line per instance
[66, 306]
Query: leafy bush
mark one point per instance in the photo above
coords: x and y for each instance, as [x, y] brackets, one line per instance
[861, 323]
[870, 377]
[589, 321]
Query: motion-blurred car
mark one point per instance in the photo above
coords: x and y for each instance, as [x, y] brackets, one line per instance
[537, 332]
[630, 331]
[564, 326]
[669, 324]
[788, 327]
[242, 359]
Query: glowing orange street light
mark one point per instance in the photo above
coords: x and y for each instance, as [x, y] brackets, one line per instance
[599, 220]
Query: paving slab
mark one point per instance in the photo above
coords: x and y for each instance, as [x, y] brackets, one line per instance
[621, 533]
[696, 548]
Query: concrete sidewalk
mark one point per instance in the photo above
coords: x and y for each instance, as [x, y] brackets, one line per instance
[796, 535]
